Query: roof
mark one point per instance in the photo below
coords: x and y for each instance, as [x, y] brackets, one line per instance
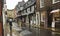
[21, 3]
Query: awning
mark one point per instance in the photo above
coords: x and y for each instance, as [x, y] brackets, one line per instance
[54, 11]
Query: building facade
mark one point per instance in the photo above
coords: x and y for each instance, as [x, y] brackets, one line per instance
[55, 13]
[10, 13]
[29, 17]
[27, 14]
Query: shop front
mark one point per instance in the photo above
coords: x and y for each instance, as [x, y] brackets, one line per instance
[56, 18]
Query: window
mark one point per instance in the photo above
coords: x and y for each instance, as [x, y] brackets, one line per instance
[28, 9]
[18, 8]
[32, 9]
[56, 1]
[18, 5]
[41, 3]
[24, 11]
[21, 8]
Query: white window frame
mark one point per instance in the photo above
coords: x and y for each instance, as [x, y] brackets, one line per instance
[41, 3]
[53, 1]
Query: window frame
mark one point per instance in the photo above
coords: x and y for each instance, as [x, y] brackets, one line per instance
[41, 3]
[32, 8]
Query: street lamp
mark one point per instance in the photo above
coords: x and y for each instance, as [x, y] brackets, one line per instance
[10, 23]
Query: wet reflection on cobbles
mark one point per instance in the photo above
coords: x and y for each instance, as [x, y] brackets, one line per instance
[43, 32]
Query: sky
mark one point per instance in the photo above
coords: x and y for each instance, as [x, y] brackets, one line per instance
[12, 3]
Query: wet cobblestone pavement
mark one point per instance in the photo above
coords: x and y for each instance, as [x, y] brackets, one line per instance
[43, 32]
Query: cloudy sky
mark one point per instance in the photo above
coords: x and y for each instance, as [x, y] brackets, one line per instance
[12, 3]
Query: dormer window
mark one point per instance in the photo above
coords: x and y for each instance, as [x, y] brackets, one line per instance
[24, 11]
[56, 1]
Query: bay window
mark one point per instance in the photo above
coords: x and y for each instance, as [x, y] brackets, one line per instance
[21, 8]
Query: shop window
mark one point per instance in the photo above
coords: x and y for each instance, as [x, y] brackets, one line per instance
[56, 1]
